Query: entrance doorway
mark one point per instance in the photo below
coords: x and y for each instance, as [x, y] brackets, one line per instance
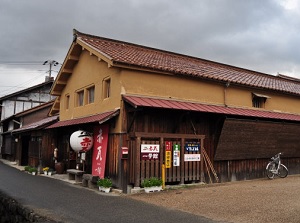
[25, 146]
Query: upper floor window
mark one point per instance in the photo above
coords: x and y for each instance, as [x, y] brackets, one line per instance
[91, 94]
[259, 100]
[106, 88]
[67, 101]
[80, 97]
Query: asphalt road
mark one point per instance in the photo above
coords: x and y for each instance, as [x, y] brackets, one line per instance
[63, 202]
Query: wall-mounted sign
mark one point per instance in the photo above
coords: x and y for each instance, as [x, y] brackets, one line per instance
[168, 155]
[124, 153]
[100, 148]
[192, 146]
[150, 151]
[176, 155]
[191, 157]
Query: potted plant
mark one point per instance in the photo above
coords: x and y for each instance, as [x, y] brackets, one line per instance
[152, 184]
[26, 168]
[104, 184]
[33, 170]
[50, 171]
[45, 170]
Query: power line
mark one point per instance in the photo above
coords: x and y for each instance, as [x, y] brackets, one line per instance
[17, 87]
[21, 62]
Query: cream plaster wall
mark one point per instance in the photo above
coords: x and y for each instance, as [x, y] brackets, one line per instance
[166, 86]
[89, 71]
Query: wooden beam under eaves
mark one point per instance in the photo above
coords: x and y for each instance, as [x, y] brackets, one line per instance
[56, 93]
[67, 71]
[72, 57]
[61, 82]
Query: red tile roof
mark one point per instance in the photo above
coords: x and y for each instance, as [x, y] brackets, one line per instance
[103, 117]
[138, 101]
[133, 55]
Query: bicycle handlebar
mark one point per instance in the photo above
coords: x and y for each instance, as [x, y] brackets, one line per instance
[277, 156]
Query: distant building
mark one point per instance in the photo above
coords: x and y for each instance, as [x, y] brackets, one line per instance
[15, 103]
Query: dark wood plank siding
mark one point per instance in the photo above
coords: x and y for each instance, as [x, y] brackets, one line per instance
[244, 157]
[246, 139]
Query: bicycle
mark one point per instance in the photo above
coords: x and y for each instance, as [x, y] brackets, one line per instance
[275, 167]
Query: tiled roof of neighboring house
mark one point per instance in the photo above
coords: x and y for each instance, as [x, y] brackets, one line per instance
[138, 101]
[101, 118]
[37, 125]
[121, 53]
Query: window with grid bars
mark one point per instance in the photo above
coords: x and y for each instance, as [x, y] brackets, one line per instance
[106, 88]
[91, 94]
[80, 98]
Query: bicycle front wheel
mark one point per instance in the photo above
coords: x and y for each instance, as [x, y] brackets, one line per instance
[283, 171]
[270, 170]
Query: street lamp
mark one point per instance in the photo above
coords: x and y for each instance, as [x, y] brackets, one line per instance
[51, 63]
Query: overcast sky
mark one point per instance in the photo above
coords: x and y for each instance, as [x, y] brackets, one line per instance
[260, 35]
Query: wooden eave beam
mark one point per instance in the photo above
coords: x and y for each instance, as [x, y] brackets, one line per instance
[56, 93]
[60, 82]
[72, 57]
[67, 71]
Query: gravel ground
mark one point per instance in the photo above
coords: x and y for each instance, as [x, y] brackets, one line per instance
[256, 201]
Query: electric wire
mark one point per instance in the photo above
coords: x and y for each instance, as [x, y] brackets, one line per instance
[26, 84]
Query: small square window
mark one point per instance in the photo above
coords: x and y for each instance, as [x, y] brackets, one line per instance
[259, 100]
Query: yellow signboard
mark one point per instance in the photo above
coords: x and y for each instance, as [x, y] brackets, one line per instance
[168, 159]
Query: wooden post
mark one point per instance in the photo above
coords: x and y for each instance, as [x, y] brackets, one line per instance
[162, 152]
[182, 161]
[201, 162]
[137, 163]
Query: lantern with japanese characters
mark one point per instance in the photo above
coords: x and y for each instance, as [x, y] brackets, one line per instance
[81, 141]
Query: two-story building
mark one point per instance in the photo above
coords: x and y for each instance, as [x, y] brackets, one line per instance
[15, 103]
[197, 117]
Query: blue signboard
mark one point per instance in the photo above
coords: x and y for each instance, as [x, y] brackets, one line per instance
[192, 146]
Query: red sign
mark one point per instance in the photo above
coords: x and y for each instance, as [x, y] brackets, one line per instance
[168, 145]
[100, 149]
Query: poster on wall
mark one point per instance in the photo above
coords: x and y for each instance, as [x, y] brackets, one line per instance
[100, 149]
[176, 155]
[150, 152]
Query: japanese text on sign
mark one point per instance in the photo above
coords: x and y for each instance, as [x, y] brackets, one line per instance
[192, 147]
[150, 152]
[147, 148]
[176, 155]
[191, 157]
[168, 155]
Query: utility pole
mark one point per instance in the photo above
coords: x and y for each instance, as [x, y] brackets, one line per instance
[51, 63]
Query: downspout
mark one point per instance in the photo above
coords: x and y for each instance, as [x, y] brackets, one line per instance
[225, 93]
